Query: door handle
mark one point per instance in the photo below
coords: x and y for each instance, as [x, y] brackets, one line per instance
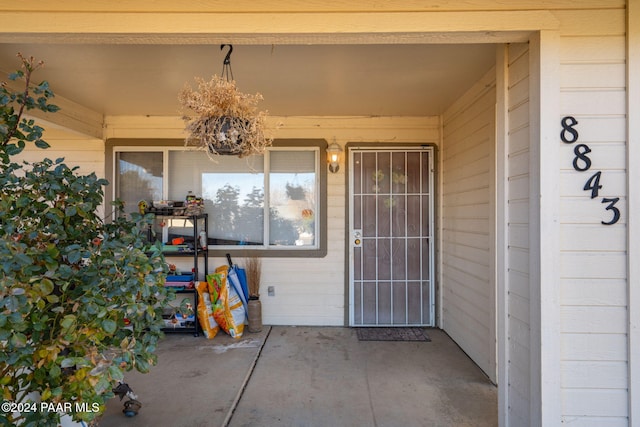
[357, 238]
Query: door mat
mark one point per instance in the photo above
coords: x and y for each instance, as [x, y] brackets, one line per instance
[392, 334]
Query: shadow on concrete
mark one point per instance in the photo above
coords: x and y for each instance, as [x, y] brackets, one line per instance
[309, 376]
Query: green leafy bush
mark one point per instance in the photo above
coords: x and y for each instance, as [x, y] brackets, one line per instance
[80, 299]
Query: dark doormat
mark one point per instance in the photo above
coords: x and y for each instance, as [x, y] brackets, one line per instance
[392, 334]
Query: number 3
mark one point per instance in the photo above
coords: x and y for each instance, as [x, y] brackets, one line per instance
[611, 207]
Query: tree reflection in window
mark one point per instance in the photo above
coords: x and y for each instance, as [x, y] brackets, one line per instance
[243, 224]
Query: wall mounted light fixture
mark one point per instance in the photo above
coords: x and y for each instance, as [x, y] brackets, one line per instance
[333, 156]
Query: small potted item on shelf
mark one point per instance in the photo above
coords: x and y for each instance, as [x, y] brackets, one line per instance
[194, 205]
[143, 207]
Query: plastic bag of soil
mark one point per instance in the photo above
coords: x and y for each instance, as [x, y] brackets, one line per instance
[228, 310]
[205, 311]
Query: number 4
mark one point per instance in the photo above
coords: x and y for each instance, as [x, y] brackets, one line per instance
[593, 184]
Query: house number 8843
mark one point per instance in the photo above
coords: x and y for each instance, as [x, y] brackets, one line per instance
[582, 163]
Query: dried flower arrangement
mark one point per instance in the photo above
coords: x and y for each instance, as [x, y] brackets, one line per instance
[220, 119]
[253, 267]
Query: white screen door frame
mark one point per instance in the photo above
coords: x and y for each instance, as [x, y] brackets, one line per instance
[391, 236]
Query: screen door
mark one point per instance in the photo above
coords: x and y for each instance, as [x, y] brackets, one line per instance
[391, 248]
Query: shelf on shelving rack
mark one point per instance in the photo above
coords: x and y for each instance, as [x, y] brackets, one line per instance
[182, 253]
[187, 230]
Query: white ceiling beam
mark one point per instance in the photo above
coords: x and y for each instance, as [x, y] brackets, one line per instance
[71, 116]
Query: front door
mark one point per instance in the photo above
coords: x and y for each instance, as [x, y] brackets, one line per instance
[391, 237]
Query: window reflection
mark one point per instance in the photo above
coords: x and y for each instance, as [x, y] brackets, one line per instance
[139, 178]
[235, 202]
[292, 196]
[282, 184]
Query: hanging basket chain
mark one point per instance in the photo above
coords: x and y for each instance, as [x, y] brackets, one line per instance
[226, 64]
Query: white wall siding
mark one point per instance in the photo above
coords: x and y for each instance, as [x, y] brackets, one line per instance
[77, 150]
[518, 316]
[468, 295]
[594, 363]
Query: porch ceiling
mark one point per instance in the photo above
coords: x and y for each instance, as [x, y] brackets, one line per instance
[295, 80]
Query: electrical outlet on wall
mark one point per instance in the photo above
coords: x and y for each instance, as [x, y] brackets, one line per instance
[271, 291]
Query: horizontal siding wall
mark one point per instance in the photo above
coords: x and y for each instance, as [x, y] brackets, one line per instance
[308, 291]
[77, 150]
[468, 292]
[519, 351]
[593, 256]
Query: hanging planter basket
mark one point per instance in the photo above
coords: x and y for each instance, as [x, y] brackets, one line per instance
[219, 135]
[221, 120]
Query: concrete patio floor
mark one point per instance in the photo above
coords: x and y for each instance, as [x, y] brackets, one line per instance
[309, 376]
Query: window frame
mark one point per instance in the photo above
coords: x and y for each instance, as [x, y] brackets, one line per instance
[165, 146]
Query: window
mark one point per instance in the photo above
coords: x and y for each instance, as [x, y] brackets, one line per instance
[139, 177]
[269, 202]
